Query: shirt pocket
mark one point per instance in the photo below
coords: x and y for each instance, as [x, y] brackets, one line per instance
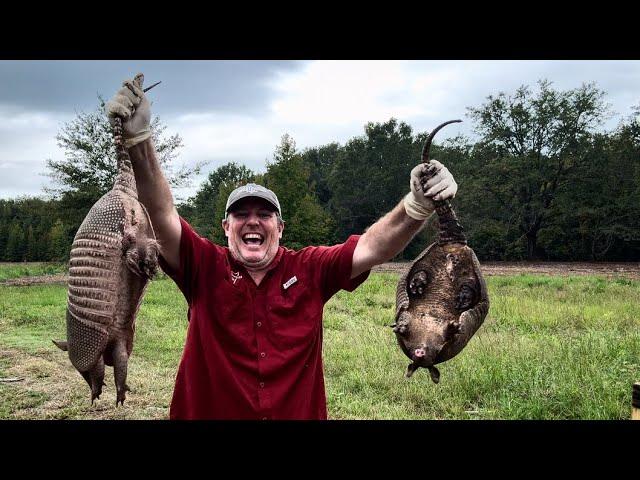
[232, 313]
[293, 317]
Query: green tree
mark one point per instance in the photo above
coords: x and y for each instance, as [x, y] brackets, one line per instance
[90, 162]
[59, 244]
[320, 161]
[371, 175]
[34, 217]
[601, 210]
[16, 248]
[202, 210]
[288, 175]
[89, 166]
[4, 234]
[31, 245]
[531, 149]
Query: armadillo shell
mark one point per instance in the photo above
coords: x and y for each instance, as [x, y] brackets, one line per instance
[97, 268]
[448, 267]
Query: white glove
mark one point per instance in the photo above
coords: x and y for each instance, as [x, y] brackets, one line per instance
[131, 104]
[418, 202]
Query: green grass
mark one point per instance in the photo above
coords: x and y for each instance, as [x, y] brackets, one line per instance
[550, 348]
[29, 269]
[31, 316]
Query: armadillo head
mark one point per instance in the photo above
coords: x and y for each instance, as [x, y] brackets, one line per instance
[423, 346]
[422, 340]
[424, 353]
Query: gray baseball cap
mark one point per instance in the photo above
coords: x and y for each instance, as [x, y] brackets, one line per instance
[252, 190]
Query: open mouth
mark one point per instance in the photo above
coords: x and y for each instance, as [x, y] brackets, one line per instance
[253, 239]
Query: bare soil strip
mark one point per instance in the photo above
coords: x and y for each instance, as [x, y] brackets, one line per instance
[608, 269]
[36, 280]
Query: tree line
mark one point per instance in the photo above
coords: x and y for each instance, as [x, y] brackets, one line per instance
[542, 180]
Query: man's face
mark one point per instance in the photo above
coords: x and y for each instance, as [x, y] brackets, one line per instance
[253, 232]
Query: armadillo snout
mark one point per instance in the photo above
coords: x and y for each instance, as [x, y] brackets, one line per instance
[419, 352]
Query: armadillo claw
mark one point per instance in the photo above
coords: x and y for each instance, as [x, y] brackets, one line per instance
[400, 329]
[435, 374]
[412, 367]
[464, 299]
[418, 283]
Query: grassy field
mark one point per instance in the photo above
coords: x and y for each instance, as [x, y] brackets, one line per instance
[9, 271]
[551, 348]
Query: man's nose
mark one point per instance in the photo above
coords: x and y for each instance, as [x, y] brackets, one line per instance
[252, 219]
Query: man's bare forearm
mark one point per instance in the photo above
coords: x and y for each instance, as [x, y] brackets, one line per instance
[155, 194]
[385, 239]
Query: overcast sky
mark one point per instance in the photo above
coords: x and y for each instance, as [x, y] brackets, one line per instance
[238, 110]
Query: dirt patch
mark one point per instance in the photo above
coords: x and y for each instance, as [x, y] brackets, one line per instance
[35, 280]
[607, 269]
[52, 389]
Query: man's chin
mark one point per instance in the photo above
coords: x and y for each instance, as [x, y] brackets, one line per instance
[253, 259]
[253, 256]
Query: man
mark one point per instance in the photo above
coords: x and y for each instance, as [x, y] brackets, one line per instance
[254, 342]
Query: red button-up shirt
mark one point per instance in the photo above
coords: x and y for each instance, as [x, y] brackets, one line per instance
[255, 352]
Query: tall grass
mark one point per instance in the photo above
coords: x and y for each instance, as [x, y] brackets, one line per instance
[29, 269]
[550, 348]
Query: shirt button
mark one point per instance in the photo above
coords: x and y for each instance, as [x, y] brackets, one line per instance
[261, 384]
[262, 354]
[259, 324]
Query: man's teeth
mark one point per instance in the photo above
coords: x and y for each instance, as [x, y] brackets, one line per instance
[252, 238]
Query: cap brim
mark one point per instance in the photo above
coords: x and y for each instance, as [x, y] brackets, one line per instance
[259, 195]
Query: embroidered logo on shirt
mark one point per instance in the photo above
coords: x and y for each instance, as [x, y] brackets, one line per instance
[235, 276]
[290, 282]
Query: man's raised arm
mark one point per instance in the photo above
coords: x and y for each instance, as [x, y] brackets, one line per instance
[393, 232]
[131, 104]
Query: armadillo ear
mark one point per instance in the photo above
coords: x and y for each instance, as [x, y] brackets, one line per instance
[138, 80]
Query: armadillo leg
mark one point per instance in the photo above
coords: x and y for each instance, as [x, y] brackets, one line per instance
[131, 253]
[120, 361]
[150, 262]
[95, 379]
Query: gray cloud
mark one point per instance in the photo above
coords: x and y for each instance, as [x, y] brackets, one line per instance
[238, 110]
[187, 86]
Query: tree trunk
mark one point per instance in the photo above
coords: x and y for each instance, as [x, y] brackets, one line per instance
[532, 243]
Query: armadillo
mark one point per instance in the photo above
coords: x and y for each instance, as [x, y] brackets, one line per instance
[113, 256]
[441, 299]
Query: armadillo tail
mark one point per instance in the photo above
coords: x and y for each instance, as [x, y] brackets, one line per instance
[61, 344]
[450, 229]
[125, 180]
[427, 144]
